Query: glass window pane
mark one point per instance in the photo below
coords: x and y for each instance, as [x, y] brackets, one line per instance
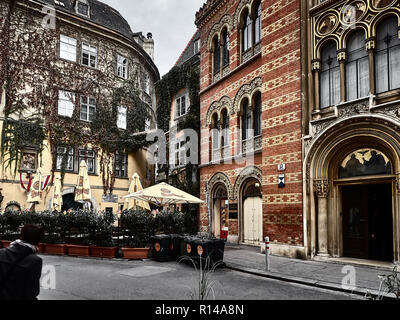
[381, 72]
[351, 81]
[363, 70]
[324, 89]
[394, 60]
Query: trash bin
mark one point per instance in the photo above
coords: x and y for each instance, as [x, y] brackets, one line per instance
[188, 248]
[217, 254]
[161, 247]
[175, 246]
[204, 248]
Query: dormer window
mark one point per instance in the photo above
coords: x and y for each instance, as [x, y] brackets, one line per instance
[82, 8]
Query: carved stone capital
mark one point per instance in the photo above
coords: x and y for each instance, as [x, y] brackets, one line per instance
[316, 65]
[321, 187]
[370, 44]
[341, 55]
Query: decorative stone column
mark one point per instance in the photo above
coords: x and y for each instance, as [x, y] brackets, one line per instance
[322, 189]
[316, 68]
[341, 57]
[370, 46]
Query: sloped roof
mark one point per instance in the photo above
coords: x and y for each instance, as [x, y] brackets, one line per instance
[188, 53]
[100, 13]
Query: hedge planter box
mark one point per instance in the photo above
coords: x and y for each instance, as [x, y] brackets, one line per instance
[55, 249]
[103, 252]
[136, 253]
[78, 251]
[41, 247]
[5, 243]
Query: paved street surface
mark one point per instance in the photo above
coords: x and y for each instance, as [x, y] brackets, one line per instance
[329, 274]
[87, 279]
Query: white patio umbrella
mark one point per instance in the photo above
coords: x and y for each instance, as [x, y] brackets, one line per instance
[57, 201]
[163, 194]
[135, 186]
[82, 191]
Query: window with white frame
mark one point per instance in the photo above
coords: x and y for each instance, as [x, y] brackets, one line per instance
[89, 156]
[89, 55]
[147, 84]
[121, 119]
[121, 165]
[68, 48]
[88, 108]
[197, 46]
[82, 8]
[180, 153]
[122, 67]
[180, 106]
[65, 159]
[66, 103]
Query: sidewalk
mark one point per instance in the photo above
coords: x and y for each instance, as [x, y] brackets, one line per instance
[327, 275]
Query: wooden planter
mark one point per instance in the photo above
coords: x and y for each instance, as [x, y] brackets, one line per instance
[136, 253]
[5, 243]
[78, 251]
[103, 252]
[41, 247]
[55, 249]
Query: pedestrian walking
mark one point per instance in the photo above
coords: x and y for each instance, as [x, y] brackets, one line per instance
[21, 267]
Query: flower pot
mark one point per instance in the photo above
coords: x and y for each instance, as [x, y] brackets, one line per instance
[5, 243]
[103, 252]
[136, 253]
[55, 249]
[78, 251]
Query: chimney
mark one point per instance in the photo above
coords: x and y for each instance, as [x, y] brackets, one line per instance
[148, 45]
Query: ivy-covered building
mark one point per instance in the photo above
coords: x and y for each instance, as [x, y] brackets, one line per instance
[76, 84]
[178, 116]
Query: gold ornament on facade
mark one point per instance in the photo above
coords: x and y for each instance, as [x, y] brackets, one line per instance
[353, 12]
[381, 4]
[327, 24]
[321, 187]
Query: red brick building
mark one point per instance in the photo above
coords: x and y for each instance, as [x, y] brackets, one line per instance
[251, 120]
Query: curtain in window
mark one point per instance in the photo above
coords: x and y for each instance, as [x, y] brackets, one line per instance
[257, 115]
[246, 120]
[217, 56]
[225, 128]
[215, 133]
[357, 67]
[329, 77]
[225, 48]
[257, 23]
[387, 56]
[246, 33]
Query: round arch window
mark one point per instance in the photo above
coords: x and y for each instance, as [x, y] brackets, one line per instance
[365, 162]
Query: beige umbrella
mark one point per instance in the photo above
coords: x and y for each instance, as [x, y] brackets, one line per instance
[38, 185]
[82, 191]
[163, 194]
[134, 187]
[57, 201]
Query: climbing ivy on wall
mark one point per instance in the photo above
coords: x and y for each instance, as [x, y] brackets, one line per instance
[31, 75]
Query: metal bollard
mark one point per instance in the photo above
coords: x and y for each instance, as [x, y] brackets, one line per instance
[267, 253]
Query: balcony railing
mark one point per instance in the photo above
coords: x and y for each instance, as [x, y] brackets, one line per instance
[252, 145]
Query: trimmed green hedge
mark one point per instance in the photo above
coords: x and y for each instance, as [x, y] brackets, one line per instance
[89, 228]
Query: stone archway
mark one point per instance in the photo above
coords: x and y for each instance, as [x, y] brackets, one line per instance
[324, 187]
[71, 191]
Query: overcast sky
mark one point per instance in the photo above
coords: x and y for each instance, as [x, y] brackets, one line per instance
[170, 21]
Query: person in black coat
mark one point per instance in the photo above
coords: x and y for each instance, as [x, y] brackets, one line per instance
[21, 267]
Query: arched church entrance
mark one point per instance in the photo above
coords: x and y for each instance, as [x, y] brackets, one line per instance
[365, 186]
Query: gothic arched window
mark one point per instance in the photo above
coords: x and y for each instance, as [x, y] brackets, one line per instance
[357, 67]
[225, 128]
[257, 115]
[246, 32]
[217, 56]
[246, 120]
[225, 48]
[387, 57]
[257, 24]
[329, 79]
